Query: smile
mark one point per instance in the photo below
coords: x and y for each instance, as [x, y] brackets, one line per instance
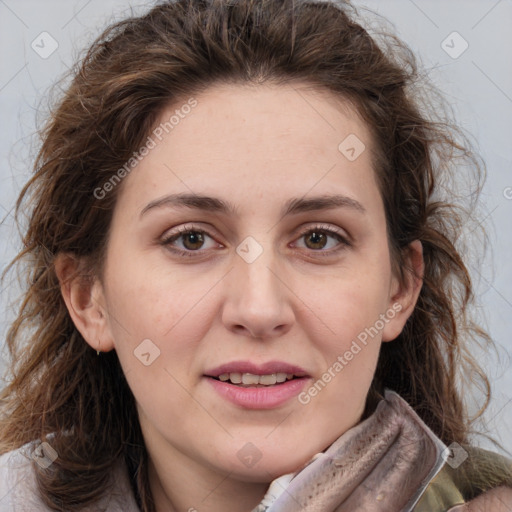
[250, 379]
[257, 386]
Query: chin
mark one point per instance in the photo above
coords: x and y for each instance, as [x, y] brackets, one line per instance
[267, 468]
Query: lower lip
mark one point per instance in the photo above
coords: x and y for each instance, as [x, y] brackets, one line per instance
[259, 397]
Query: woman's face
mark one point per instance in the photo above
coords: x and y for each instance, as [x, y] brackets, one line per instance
[249, 241]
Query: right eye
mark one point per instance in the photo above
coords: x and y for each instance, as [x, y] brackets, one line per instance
[187, 240]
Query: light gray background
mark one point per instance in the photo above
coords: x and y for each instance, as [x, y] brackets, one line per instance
[478, 84]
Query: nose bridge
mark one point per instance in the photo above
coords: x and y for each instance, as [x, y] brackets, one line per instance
[259, 303]
[260, 286]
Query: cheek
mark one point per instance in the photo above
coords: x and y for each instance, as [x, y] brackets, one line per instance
[172, 310]
[350, 300]
[155, 299]
[158, 329]
[350, 314]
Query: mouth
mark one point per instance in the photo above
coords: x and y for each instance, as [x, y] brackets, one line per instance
[247, 380]
[252, 386]
[249, 374]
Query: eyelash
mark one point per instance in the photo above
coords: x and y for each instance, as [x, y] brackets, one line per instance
[182, 230]
[329, 231]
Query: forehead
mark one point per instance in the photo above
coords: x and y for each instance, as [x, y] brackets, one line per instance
[253, 139]
[268, 116]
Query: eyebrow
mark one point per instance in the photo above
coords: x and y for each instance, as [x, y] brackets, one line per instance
[291, 207]
[327, 202]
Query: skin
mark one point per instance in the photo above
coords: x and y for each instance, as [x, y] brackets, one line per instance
[256, 147]
[496, 500]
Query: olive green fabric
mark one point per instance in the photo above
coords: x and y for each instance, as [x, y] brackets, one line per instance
[480, 472]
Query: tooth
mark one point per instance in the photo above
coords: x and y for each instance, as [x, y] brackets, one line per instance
[249, 378]
[235, 378]
[268, 380]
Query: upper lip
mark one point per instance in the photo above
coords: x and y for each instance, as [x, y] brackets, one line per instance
[257, 369]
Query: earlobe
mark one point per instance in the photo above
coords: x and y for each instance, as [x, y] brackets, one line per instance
[85, 301]
[405, 293]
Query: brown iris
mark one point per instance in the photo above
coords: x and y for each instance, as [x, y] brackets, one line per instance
[318, 240]
[193, 240]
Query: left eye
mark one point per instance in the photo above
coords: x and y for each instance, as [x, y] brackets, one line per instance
[190, 240]
[318, 239]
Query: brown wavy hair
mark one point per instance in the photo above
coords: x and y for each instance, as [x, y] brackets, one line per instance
[135, 69]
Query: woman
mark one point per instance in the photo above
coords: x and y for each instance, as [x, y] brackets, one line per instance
[242, 272]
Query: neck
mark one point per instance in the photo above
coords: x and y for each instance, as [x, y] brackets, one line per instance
[180, 488]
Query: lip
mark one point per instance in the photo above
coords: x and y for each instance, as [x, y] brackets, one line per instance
[268, 397]
[256, 369]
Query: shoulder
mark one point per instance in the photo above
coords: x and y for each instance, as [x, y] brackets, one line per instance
[477, 479]
[19, 490]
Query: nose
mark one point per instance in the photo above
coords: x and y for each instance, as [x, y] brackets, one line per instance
[259, 301]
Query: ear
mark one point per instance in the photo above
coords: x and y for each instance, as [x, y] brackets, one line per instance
[85, 300]
[405, 293]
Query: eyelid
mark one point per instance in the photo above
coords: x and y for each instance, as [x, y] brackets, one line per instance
[328, 228]
[344, 242]
[185, 228]
[174, 234]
